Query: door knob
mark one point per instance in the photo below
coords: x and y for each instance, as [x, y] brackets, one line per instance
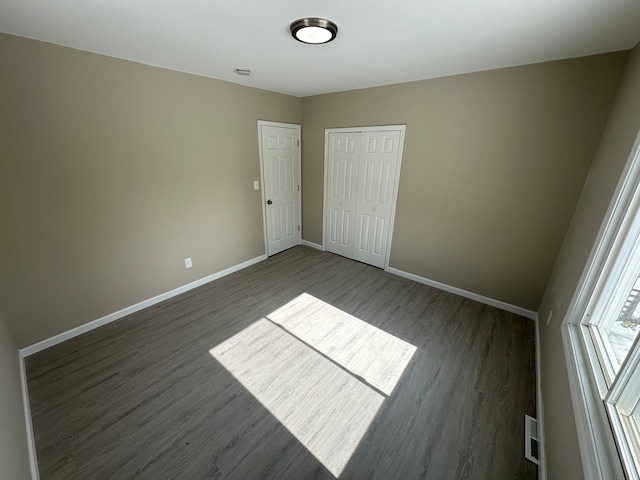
[269, 202]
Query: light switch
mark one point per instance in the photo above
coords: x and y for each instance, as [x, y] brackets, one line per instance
[256, 185]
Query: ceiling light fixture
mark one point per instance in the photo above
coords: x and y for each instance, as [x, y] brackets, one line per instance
[314, 30]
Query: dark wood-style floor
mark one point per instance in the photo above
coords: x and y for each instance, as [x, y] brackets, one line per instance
[143, 398]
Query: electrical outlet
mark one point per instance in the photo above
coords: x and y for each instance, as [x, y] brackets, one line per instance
[188, 263]
[256, 185]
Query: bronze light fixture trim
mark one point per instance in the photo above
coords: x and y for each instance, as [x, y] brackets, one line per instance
[314, 30]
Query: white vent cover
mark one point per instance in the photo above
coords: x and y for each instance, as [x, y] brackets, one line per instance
[531, 451]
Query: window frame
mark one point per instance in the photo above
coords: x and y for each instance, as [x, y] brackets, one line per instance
[598, 424]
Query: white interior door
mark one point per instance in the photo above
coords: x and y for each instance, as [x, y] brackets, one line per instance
[376, 186]
[341, 195]
[362, 170]
[280, 165]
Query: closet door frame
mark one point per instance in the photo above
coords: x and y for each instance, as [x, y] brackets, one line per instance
[385, 128]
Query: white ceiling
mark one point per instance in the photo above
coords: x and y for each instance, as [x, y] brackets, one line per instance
[379, 42]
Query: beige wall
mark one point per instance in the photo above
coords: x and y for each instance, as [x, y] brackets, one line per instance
[613, 153]
[14, 455]
[111, 174]
[493, 166]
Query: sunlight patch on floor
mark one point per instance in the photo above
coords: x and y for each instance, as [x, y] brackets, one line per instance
[373, 354]
[300, 363]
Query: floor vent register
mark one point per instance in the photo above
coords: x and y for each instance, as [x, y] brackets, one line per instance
[531, 439]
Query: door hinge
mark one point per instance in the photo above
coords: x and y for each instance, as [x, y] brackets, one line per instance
[298, 187]
[298, 227]
[298, 142]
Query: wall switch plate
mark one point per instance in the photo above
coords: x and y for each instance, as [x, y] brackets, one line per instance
[256, 185]
[188, 263]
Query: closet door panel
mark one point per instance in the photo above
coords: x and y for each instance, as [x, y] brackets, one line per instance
[342, 184]
[376, 187]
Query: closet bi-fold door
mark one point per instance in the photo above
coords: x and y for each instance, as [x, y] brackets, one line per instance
[376, 188]
[342, 183]
[361, 186]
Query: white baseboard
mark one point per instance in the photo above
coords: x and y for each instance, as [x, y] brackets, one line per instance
[31, 442]
[74, 332]
[542, 460]
[464, 293]
[312, 245]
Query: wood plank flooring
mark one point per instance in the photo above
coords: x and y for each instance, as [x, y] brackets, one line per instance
[144, 398]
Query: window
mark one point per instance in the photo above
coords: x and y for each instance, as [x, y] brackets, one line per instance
[612, 324]
[602, 340]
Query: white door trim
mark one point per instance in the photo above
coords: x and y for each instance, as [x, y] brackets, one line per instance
[384, 128]
[267, 123]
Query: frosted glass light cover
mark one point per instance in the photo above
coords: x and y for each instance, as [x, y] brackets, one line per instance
[313, 35]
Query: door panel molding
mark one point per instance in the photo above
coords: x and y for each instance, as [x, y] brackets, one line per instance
[373, 175]
[287, 170]
[341, 200]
